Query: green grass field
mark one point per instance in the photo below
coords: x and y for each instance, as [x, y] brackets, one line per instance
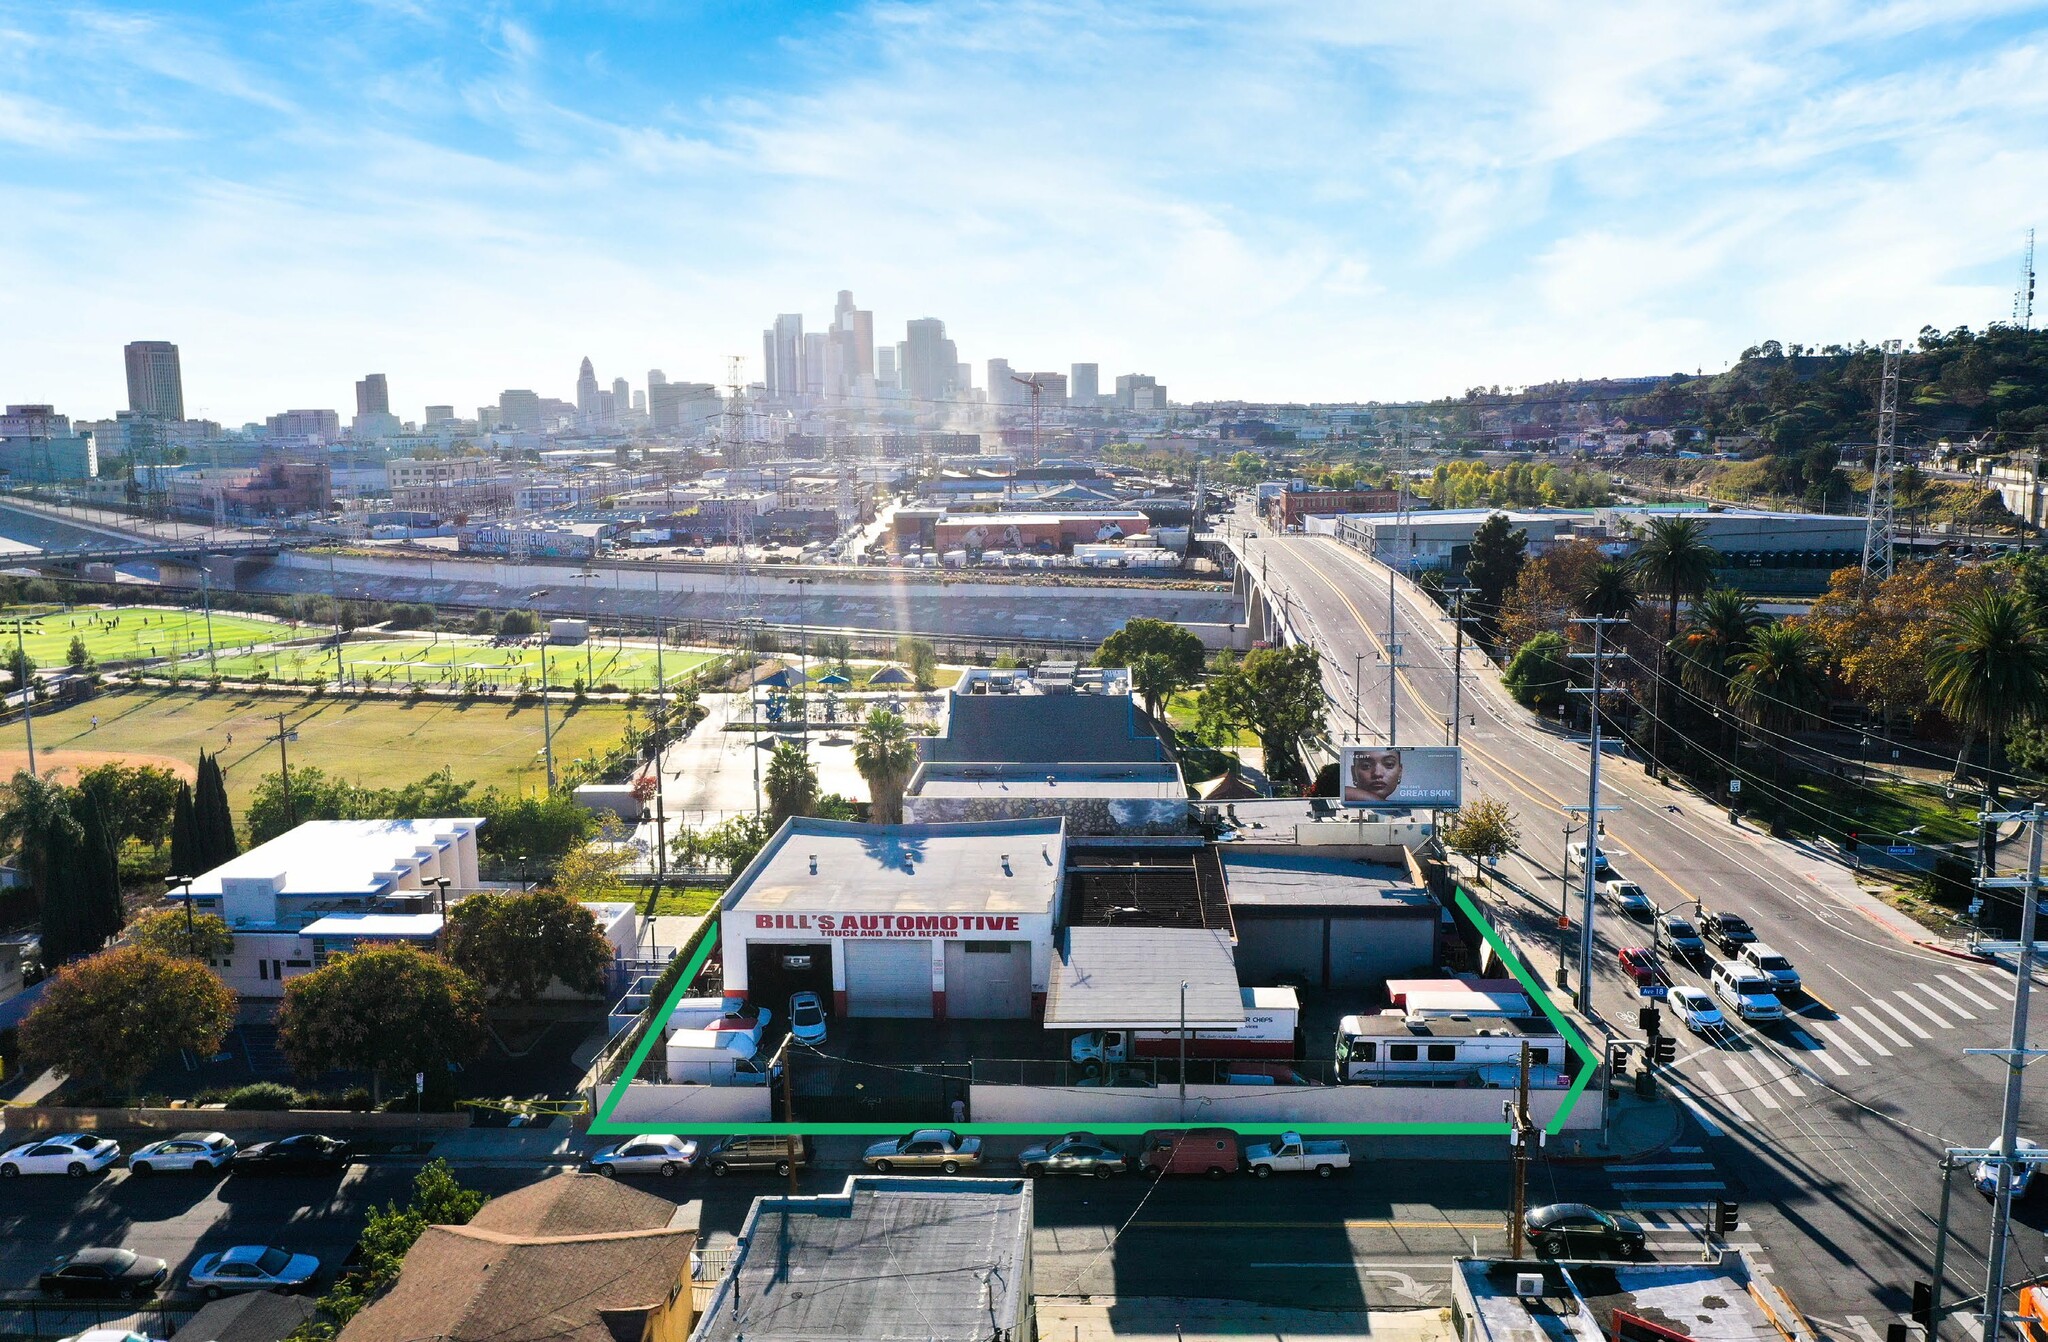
[377, 743]
[124, 633]
[456, 659]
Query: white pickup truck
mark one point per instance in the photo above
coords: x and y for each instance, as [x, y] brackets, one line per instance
[1292, 1154]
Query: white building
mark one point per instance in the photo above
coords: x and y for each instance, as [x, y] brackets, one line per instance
[330, 885]
[899, 920]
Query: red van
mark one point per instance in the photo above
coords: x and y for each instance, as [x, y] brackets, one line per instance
[1210, 1151]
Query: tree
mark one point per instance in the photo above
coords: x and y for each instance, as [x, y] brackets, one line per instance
[1176, 654]
[438, 1199]
[519, 624]
[1539, 672]
[138, 800]
[535, 831]
[589, 872]
[1882, 637]
[1777, 682]
[790, 782]
[78, 657]
[1989, 670]
[99, 871]
[1609, 592]
[1719, 628]
[1676, 560]
[212, 822]
[1546, 592]
[37, 811]
[735, 840]
[1483, 829]
[113, 1016]
[1496, 561]
[20, 666]
[392, 1011]
[1276, 693]
[185, 834]
[886, 755]
[182, 934]
[836, 651]
[921, 659]
[516, 945]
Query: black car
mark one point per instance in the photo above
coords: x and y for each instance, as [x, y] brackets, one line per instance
[104, 1273]
[755, 1153]
[305, 1153]
[1728, 931]
[1680, 937]
[1575, 1230]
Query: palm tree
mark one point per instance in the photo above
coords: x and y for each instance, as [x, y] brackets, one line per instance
[1777, 681]
[791, 782]
[1674, 559]
[1717, 630]
[1609, 592]
[886, 756]
[1989, 670]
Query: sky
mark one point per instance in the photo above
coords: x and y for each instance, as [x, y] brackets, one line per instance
[1251, 199]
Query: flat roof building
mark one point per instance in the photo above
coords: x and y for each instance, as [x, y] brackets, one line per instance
[1135, 798]
[1330, 916]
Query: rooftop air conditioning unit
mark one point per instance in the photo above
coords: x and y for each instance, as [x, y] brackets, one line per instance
[1528, 1284]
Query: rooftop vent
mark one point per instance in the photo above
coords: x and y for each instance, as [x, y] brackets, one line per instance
[1528, 1284]
[1006, 865]
[814, 864]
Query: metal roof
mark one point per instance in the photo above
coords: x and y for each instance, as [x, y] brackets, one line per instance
[811, 865]
[1264, 876]
[1130, 978]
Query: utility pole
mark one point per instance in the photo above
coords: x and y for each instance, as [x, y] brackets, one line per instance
[27, 688]
[1393, 662]
[547, 722]
[1878, 522]
[284, 767]
[206, 605]
[1520, 1135]
[1458, 595]
[2016, 1055]
[1357, 674]
[1583, 994]
[788, 1108]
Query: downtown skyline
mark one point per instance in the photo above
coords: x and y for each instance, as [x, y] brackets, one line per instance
[1262, 202]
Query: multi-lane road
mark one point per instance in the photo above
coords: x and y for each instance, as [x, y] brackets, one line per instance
[1827, 1128]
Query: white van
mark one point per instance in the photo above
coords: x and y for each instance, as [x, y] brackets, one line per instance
[1769, 963]
[1575, 860]
[1746, 992]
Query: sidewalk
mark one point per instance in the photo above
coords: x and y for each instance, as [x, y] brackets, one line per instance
[1068, 1319]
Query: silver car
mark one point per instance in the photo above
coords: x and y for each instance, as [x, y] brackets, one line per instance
[1075, 1153]
[927, 1148]
[208, 1151]
[252, 1267]
[661, 1153]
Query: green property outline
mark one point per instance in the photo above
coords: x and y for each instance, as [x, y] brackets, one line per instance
[601, 1124]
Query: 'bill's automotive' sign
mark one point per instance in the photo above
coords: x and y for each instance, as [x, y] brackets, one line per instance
[887, 924]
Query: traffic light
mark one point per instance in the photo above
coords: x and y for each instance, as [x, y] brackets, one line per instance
[1646, 1019]
[1664, 1050]
[1617, 1059]
[1923, 1305]
[1727, 1215]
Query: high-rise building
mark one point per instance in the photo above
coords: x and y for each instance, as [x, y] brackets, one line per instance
[885, 366]
[519, 409]
[1002, 391]
[1084, 384]
[814, 363]
[437, 414]
[1052, 389]
[853, 331]
[682, 405]
[655, 377]
[1140, 391]
[607, 408]
[586, 390]
[639, 402]
[785, 353]
[322, 426]
[156, 386]
[963, 378]
[373, 395]
[930, 362]
[622, 397]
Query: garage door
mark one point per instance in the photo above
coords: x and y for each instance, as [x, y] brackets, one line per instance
[1270, 949]
[888, 978]
[1364, 951]
[988, 980]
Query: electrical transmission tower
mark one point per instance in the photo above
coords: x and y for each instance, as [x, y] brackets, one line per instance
[1878, 525]
[733, 448]
[2023, 295]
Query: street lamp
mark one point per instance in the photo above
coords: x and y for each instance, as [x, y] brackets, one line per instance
[1183, 1048]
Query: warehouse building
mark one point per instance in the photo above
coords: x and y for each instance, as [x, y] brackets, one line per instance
[1328, 916]
[931, 921]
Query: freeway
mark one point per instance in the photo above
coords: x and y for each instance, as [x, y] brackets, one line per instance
[1827, 1127]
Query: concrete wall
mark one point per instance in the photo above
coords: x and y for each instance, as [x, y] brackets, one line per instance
[1264, 1106]
[682, 1106]
[1084, 815]
[234, 1122]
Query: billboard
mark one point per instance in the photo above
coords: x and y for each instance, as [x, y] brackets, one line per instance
[1394, 778]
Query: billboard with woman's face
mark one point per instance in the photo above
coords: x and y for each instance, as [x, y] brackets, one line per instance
[1400, 777]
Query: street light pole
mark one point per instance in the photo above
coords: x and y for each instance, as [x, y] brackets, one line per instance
[1183, 1050]
[28, 717]
[2016, 1055]
[1357, 675]
[547, 727]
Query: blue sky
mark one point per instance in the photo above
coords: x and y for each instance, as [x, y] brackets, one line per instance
[1245, 198]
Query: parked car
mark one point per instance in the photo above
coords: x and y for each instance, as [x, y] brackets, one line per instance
[1748, 992]
[1728, 932]
[76, 1154]
[1075, 1153]
[661, 1153]
[1640, 963]
[807, 1018]
[110, 1335]
[104, 1273]
[1769, 963]
[925, 1149]
[1695, 1009]
[1210, 1151]
[1628, 897]
[301, 1153]
[207, 1151]
[1292, 1155]
[252, 1267]
[1575, 1230]
[1985, 1174]
[757, 1153]
[1680, 937]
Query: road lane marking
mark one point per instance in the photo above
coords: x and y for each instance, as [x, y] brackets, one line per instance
[1889, 1032]
[1659, 1169]
[1816, 1049]
[1962, 988]
[1495, 1224]
[1914, 1003]
[1837, 1045]
[1758, 1089]
[1863, 1034]
[1927, 990]
[1726, 1097]
[1702, 1186]
[1699, 1116]
[1687, 1150]
[1998, 988]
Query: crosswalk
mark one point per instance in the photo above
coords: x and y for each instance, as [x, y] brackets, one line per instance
[1671, 1197]
[1745, 1084]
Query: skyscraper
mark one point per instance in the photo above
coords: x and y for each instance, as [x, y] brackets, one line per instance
[885, 366]
[519, 409]
[1002, 391]
[373, 396]
[622, 397]
[853, 331]
[586, 391]
[814, 363]
[655, 377]
[156, 387]
[1084, 385]
[930, 362]
[786, 343]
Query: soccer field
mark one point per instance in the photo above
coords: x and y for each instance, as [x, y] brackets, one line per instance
[457, 660]
[124, 633]
[378, 743]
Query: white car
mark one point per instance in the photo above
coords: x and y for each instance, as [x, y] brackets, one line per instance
[661, 1153]
[1628, 897]
[208, 1151]
[807, 1018]
[74, 1153]
[1696, 1009]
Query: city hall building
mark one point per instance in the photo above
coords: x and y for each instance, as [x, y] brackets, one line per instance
[922, 921]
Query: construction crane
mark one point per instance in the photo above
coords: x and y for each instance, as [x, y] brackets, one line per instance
[1037, 387]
